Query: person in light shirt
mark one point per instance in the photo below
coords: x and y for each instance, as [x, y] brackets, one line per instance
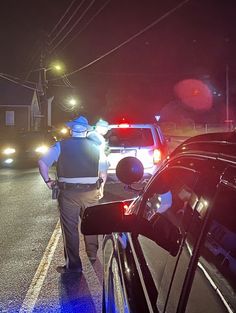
[97, 135]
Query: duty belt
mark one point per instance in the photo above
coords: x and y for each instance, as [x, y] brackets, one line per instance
[78, 186]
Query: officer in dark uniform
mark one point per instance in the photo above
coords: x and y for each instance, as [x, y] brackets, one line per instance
[79, 168]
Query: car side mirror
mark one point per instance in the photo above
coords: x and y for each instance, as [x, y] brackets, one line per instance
[111, 217]
[106, 218]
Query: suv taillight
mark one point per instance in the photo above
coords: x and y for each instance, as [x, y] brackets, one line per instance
[156, 156]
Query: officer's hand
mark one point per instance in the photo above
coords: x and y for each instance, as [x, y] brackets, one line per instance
[100, 193]
[51, 183]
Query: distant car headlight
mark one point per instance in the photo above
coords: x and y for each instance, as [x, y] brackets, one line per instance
[41, 149]
[9, 151]
[64, 131]
[8, 161]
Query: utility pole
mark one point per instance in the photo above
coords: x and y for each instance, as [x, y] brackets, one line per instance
[43, 85]
[228, 121]
[227, 93]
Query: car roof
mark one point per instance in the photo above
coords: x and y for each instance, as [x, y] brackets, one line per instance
[219, 145]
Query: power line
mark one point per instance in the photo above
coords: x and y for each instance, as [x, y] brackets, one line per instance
[68, 21]
[73, 26]
[67, 82]
[86, 25]
[67, 10]
[130, 38]
[17, 83]
[32, 61]
[17, 78]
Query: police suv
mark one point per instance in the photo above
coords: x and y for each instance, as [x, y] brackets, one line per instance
[143, 141]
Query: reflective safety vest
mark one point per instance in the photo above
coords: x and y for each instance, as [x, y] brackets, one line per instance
[79, 157]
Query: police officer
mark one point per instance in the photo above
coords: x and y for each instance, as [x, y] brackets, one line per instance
[79, 169]
[101, 129]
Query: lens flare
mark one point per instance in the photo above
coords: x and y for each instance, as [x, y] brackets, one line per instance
[194, 94]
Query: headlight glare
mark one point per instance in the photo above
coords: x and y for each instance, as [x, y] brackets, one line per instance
[41, 149]
[9, 151]
[64, 131]
[8, 161]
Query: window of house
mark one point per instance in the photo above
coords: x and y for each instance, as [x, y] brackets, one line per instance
[10, 118]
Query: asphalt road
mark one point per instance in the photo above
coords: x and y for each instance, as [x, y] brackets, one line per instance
[31, 249]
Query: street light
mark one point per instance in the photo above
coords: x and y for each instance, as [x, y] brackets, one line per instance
[72, 105]
[57, 67]
[72, 102]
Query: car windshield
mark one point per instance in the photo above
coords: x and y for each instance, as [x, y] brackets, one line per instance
[35, 137]
[27, 138]
[130, 137]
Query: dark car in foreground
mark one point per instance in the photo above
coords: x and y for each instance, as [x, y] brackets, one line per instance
[24, 148]
[172, 248]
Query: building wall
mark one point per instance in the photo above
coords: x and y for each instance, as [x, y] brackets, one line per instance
[19, 120]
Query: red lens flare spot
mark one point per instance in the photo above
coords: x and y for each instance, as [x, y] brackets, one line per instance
[194, 94]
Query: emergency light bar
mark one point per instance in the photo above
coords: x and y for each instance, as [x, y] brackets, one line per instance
[124, 125]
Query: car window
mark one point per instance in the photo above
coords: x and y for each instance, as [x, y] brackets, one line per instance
[216, 273]
[130, 137]
[160, 136]
[172, 195]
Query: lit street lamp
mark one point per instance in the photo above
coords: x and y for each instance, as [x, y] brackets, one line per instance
[71, 104]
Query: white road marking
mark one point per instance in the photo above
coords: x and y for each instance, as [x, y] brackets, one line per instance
[39, 277]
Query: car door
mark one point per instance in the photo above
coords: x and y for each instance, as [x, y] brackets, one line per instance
[170, 194]
[140, 262]
[173, 194]
[123, 291]
[214, 285]
[162, 142]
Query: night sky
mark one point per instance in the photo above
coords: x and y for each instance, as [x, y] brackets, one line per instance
[137, 80]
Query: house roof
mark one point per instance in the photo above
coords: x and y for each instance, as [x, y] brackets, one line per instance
[14, 94]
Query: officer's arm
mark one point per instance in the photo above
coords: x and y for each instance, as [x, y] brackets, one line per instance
[46, 161]
[103, 166]
[44, 172]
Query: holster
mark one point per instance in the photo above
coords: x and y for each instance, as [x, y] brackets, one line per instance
[99, 182]
[55, 191]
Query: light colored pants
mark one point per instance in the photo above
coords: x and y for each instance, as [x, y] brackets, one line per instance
[72, 204]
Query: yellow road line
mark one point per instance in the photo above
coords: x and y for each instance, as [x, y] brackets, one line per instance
[39, 277]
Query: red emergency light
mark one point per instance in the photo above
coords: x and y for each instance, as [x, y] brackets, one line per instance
[124, 125]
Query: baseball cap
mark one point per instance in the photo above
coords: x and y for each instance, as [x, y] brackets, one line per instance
[102, 123]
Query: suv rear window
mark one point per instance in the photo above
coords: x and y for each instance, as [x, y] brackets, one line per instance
[130, 137]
